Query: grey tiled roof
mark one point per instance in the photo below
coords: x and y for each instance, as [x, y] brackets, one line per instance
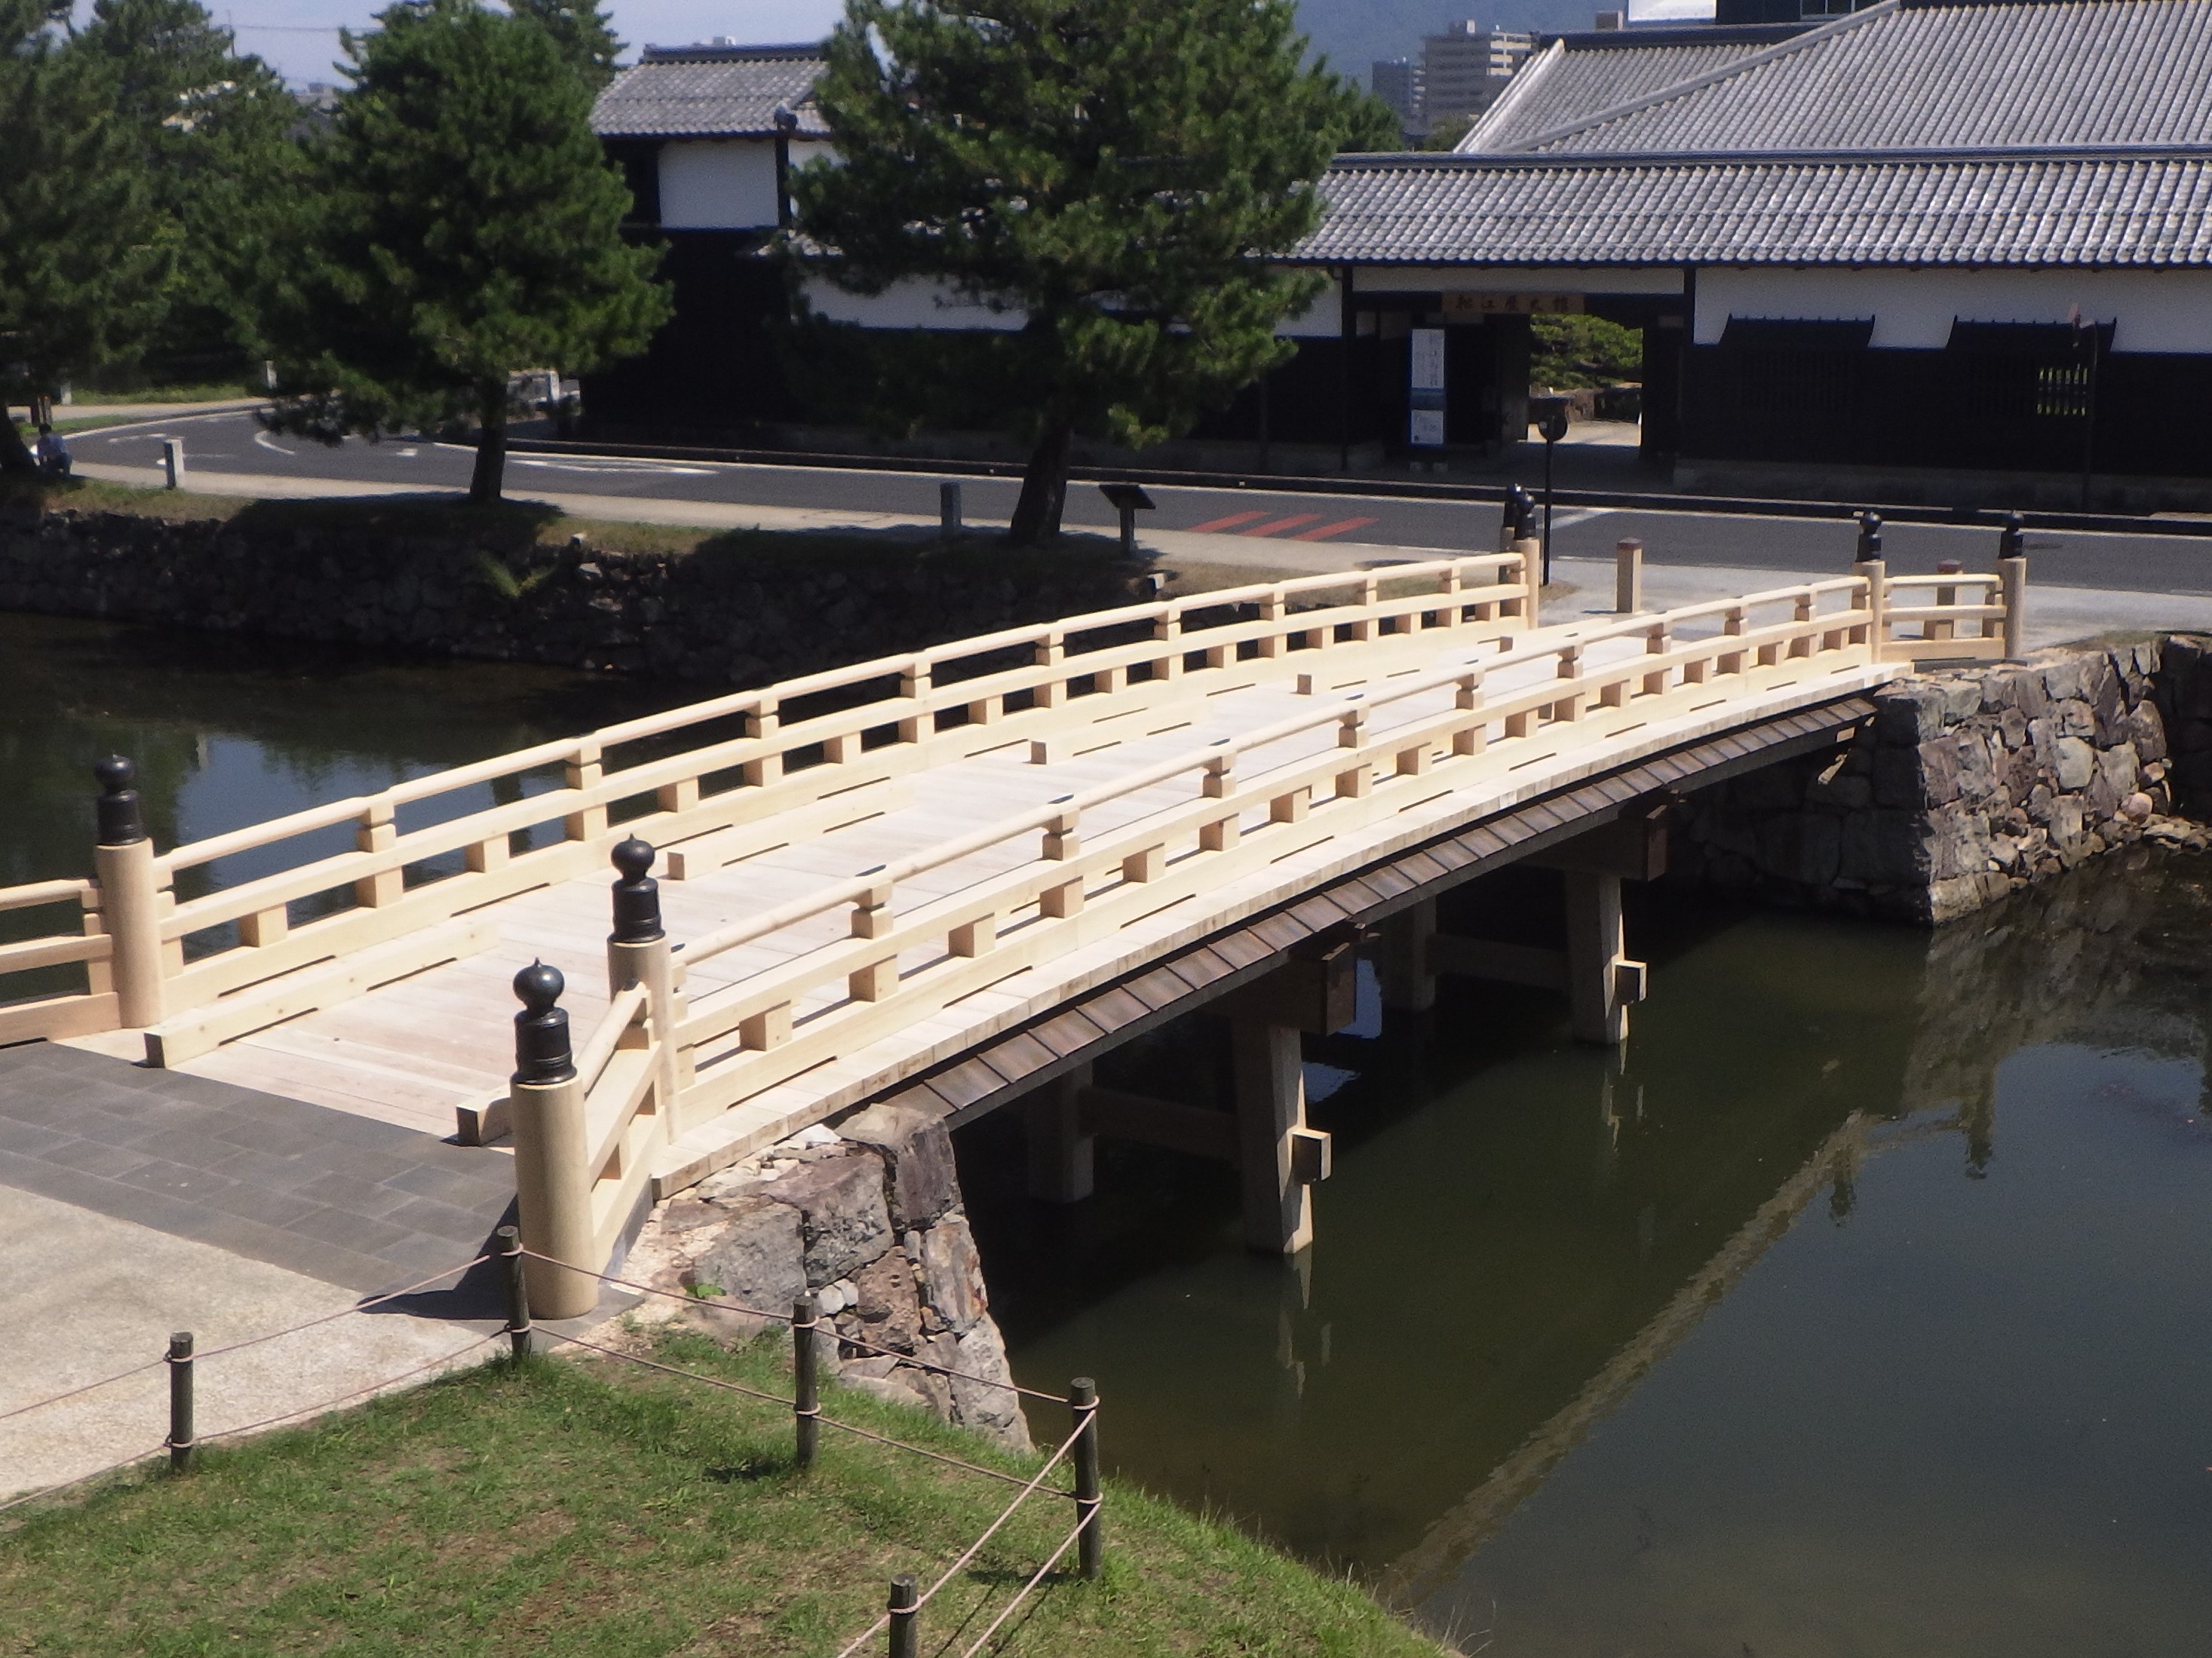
[1909, 74]
[711, 92]
[2143, 208]
[1577, 74]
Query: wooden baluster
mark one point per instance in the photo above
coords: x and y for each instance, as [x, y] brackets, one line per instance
[585, 771]
[1570, 707]
[264, 926]
[1355, 782]
[1219, 783]
[376, 832]
[1474, 736]
[1658, 642]
[1945, 597]
[1168, 630]
[913, 684]
[1363, 628]
[1732, 624]
[872, 919]
[1803, 644]
[976, 937]
[1291, 808]
[1273, 607]
[764, 722]
[769, 1028]
[1447, 588]
[1051, 650]
[1063, 841]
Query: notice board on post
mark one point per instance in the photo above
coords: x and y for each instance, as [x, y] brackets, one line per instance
[1424, 424]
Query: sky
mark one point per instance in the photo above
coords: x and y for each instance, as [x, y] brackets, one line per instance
[299, 37]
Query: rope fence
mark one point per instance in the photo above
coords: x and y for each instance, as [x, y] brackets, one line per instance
[901, 1619]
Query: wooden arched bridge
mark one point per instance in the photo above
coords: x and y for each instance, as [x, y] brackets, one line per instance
[950, 879]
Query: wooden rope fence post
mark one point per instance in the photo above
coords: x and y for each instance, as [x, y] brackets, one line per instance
[130, 897]
[906, 1619]
[1091, 1547]
[806, 1387]
[180, 1402]
[518, 1293]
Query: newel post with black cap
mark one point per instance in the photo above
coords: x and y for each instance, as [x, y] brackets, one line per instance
[552, 1186]
[130, 881]
[638, 953]
[1517, 534]
[2012, 565]
[1869, 566]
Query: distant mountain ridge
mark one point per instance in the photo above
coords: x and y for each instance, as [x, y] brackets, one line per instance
[1354, 33]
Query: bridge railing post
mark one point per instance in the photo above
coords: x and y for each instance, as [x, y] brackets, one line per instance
[130, 897]
[639, 953]
[1870, 568]
[552, 1186]
[2012, 565]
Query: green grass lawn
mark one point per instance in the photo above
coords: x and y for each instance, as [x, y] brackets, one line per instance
[590, 1508]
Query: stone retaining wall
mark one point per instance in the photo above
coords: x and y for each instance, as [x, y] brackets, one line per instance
[1970, 784]
[721, 614]
[868, 1217]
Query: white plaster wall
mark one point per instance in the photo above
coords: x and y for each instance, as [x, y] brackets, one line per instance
[1323, 320]
[1913, 310]
[1515, 279]
[718, 184]
[912, 303]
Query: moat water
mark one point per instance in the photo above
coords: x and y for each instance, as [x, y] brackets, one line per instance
[1863, 1307]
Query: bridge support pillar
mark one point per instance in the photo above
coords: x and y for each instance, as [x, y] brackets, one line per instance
[1063, 1161]
[1601, 981]
[1403, 964]
[1277, 1156]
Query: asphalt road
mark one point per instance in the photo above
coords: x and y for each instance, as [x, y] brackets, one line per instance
[2112, 562]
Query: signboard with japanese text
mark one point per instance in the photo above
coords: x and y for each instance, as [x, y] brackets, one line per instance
[1425, 427]
[1513, 305]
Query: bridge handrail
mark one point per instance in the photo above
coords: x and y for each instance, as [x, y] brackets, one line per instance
[764, 1007]
[1222, 752]
[193, 854]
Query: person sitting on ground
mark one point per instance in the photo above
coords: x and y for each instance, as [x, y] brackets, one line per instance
[52, 454]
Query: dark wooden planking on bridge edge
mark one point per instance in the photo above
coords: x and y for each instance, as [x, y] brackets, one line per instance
[1234, 961]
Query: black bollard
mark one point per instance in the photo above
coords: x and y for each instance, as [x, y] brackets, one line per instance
[180, 1401]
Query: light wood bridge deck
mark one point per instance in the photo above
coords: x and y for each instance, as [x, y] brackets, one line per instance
[867, 873]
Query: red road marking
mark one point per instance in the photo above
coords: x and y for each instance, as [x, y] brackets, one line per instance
[1233, 520]
[1335, 529]
[1290, 523]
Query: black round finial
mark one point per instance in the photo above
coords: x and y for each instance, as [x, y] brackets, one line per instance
[637, 895]
[1869, 537]
[541, 1029]
[2012, 541]
[122, 823]
[538, 987]
[633, 858]
[787, 118]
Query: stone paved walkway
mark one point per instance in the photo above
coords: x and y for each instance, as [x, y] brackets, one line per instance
[136, 1202]
[326, 1193]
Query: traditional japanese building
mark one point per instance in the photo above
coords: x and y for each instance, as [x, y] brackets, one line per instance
[1955, 252]
[1947, 251]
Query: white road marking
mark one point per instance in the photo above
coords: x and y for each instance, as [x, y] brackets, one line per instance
[611, 465]
[271, 444]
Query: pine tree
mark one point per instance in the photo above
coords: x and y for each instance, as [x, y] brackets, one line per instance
[586, 34]
[469, 227]
[84, 252]
[1121, 173]
[216, 134]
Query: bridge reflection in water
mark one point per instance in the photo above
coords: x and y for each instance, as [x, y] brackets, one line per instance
[1609, 1343]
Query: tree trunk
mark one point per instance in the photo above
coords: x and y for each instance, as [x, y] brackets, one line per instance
[15, 456]
[1044, 488]
[490, 473]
